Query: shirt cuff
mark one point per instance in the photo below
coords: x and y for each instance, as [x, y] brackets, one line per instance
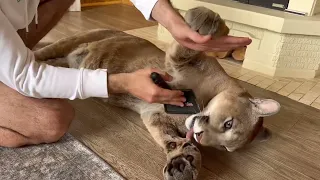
[94, 83]
[145, 7]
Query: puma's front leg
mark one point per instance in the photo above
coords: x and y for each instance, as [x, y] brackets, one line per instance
[205, 22]
[183, 163]
[183, 158]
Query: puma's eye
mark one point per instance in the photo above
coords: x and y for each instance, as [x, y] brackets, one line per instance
[228, 124]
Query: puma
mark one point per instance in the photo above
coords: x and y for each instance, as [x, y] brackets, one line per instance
[231, 117]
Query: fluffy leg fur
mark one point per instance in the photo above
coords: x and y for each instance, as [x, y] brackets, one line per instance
[183, 157]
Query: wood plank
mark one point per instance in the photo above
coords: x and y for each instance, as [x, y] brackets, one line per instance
[90, 3]
[100, 3]
[248, 76]
[93, 1]
[266, 83]
[52, 36]
[305, 87]
[76, 6]
[73, 22]
[296, 96]
[127, 2]
[275, 87]
[239, 73]
[316, 105]
[311, 95]
[117, 17]
[289, 88]
[256, 80]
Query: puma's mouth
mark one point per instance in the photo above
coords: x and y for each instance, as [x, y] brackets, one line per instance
[190, 128]
[191, 134]
[190, 125]
[198, 136]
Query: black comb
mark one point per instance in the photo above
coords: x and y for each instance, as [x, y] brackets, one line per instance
[190, 106]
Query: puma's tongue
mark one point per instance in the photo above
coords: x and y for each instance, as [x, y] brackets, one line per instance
[189, 134]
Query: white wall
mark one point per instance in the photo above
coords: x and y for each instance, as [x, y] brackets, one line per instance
[305, 6]
[76, 6]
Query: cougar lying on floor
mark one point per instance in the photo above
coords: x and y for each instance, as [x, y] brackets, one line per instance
[230, 119]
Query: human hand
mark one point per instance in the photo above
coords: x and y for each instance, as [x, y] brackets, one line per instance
[165, 14]
[140, 85]
[185, 36]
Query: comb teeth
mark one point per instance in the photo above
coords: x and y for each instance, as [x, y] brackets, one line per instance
[191, 99]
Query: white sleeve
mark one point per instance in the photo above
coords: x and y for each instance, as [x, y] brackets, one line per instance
[20, 71]
[145, 7]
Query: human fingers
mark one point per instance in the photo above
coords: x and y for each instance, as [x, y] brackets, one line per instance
[176, 101]
[197, 38]
[219, 47]
[166, 95]
[220, 44]
[229, 41]
[191, 45]
[183, 32]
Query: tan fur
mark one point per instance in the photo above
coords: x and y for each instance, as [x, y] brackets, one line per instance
[221, 95]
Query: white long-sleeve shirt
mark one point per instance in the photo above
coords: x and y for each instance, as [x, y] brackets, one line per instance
[20, 71]
[145, 7]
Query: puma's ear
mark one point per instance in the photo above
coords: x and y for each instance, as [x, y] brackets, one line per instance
[265, 107]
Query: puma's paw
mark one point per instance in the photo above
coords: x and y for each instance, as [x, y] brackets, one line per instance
[205, 22]
[180, 168]
[183, 164]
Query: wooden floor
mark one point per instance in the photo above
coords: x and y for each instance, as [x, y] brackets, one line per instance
[119, 136]
[306, 91]
[117, 17]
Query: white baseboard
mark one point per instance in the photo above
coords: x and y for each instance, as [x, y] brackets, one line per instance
[76, 6]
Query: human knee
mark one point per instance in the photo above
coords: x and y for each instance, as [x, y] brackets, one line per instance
[48, 126]
[57, 122]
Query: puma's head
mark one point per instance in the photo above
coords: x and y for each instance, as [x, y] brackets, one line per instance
[232, 118]
[230, 121]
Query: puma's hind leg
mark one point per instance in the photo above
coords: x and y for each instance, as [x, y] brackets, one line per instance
[64, 46]
[72, 60]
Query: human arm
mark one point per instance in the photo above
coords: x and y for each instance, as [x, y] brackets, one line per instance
[20, 71]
